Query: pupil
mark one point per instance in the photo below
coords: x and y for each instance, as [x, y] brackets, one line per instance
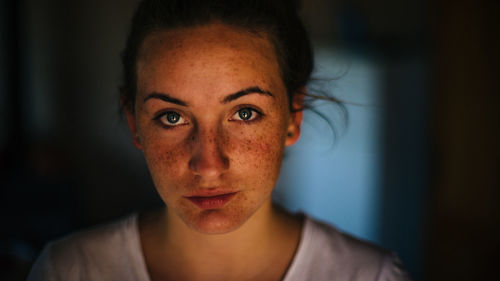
[245, 114]
[173, 117]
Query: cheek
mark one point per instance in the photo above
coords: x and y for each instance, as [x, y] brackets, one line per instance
[167, 160]
[258, 153]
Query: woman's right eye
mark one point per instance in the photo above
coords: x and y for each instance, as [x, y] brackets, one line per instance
[171, 119]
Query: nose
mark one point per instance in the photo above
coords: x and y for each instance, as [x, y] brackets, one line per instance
[208, 159]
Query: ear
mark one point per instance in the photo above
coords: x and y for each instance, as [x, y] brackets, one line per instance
[293, 132]
[130, 116]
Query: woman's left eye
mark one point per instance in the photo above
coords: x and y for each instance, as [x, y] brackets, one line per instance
[246, 114]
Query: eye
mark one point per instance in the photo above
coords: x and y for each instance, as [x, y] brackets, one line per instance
[171, 119]
[246, 114]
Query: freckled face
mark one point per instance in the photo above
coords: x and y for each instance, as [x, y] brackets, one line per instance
[211, 116]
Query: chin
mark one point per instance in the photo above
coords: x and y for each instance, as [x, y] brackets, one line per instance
[218, 221]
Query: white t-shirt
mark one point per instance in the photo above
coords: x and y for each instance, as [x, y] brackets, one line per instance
[113, 252]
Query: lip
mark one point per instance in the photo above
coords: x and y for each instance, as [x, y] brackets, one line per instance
[206, 201]
[210, 192]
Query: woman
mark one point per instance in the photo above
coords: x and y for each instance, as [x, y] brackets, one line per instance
[214, 92]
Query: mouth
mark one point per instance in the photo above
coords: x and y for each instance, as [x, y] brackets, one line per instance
[213, 201]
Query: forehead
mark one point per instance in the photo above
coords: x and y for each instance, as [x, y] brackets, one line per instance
[206, 36]
[214, 53]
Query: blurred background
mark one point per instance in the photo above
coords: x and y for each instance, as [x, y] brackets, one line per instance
[414, 167]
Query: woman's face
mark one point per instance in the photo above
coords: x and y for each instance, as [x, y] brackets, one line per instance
[211, 116]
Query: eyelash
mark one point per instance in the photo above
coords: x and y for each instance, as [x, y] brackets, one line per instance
[158, 118]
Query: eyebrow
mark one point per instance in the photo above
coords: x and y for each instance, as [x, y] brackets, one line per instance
[251, 90]
[165, 97]
[247, 91]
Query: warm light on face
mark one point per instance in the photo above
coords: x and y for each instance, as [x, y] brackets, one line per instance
[211, 116]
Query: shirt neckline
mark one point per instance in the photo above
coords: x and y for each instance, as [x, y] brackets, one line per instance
[302, 249]
[298, 258]
[141, 260]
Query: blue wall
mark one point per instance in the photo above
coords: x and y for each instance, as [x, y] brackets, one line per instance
[336, 177]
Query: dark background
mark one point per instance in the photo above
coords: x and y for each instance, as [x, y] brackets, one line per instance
[66, 161]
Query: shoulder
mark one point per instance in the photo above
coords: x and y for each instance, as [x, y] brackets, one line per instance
[326, 253]
[90, 254]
